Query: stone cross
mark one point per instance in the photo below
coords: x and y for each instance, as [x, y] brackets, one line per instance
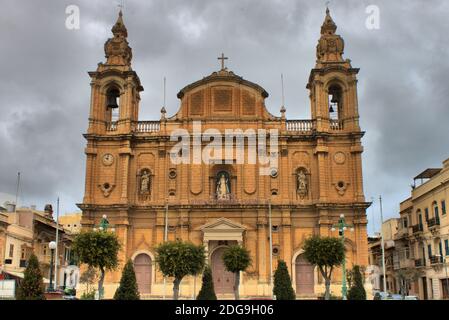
[222, 58]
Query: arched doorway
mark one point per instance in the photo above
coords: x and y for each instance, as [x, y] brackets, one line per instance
[223, 280]
[304, 276]
[142, 268]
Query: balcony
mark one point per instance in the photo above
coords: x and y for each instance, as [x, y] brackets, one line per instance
[433, 222]
[336, 125]
[148, 126]
[420, 263]
[435, 260]
[111, 126]
[302, 126]
[417, 228]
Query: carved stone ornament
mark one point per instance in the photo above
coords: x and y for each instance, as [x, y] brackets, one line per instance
[302, 183]
[106, 188]
[339, 157]
[341, 187]
[145, 182]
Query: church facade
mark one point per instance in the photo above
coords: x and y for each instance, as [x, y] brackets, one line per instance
[168, 179]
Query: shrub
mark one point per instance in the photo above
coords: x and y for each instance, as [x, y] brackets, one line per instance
[207, 291]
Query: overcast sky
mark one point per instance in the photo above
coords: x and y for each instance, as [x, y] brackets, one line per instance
[45, 92]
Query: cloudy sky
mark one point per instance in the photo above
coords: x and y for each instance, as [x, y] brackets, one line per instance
[44, 87]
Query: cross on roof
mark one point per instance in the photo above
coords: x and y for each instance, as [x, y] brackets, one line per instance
[222, 58]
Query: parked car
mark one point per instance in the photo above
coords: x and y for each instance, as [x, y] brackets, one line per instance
[411, 298]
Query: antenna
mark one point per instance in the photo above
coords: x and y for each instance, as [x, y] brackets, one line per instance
[165, 84]
[17, 190]
[282, 87]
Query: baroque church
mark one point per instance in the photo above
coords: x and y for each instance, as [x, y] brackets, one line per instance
[149, 198]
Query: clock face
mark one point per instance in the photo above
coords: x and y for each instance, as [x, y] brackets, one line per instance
[108, 159]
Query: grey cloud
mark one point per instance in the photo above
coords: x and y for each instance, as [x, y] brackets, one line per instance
[44, 89]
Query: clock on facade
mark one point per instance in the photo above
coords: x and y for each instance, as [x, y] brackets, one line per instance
[108, 159]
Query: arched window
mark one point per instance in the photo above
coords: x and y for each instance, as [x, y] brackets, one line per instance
[112, 104]
[335, 102]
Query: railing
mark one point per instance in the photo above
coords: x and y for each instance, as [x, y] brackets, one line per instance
[435, 259]
[432, 222]
[111, 126]
[420, 263]
[336, 124]
[417, 228]
[299, 125]
[148, 126]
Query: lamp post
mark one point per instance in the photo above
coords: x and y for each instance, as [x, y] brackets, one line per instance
[341, 226]
[445, 269]
[52, 246]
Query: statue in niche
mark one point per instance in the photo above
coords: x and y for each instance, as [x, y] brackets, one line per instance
[223, 186]
[145, 182]
[302, 183]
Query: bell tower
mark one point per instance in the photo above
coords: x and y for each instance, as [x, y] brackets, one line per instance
[115, 87]
[333, 84]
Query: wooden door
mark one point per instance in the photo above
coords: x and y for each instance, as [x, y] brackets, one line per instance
[304, 276]
[142, 268]
[223, 280]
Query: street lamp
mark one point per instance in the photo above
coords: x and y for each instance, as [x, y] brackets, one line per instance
[342, 226]
[445, 269]
[52, 246]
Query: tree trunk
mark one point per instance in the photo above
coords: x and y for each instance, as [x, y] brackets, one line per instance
[176, 283]
[100, 284]
[236, 285]
[327, 283]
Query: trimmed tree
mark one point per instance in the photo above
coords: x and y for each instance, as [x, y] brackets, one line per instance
[283, 289]
[236, 258]
[97, 249]
[356, 290]
[32, 285]
[326, 253]
[128, 289]
[207, 291]
[179, 259]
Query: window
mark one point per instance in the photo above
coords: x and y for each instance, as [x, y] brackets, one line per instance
[11, 250]
[446, 246]
[426, 214]
[112, 104]
[405, 222]
[435, 210]
[23, 254]
[443, 207]
[429, 250]
[335, 102]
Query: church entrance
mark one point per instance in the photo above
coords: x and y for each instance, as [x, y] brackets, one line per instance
[304, 276]
[142, 268]
[223, 280]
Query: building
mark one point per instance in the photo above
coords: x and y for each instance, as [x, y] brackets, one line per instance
[424, 230]
[71, 222]
[417, 243]
[138, 175]
[26, 231]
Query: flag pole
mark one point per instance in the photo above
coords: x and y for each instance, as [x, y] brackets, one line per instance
[57, 245]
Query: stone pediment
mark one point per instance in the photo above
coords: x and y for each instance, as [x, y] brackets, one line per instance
[222, 224]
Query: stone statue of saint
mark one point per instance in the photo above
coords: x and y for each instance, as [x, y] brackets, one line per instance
[223, 188]
[302, 183]
[145, 182]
